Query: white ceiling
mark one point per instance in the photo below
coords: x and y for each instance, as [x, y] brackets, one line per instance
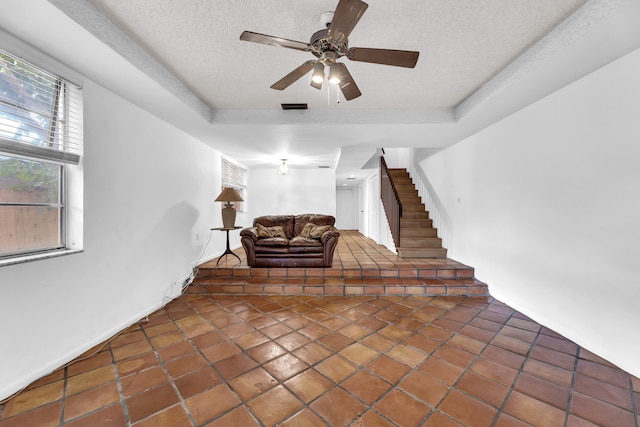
[474, 55]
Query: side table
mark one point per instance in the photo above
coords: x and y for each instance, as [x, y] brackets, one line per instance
[228, 251]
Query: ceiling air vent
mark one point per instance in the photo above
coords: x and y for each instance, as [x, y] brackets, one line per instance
[294, 106]
[324, 167]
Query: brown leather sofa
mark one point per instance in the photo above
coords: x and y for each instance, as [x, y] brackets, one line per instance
[307, 240]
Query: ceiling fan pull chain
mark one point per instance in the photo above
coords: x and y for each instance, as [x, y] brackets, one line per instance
[338, 94]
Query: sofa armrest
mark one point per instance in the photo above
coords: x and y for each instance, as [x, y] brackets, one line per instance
[250, 232]
[332, 232]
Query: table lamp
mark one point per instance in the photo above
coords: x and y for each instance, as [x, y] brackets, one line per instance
[228, 211]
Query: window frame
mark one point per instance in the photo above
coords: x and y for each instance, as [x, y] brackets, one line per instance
[62, 149]
[239, 184]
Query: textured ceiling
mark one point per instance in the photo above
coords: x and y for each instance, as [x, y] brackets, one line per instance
[462, 44]
[183, 61]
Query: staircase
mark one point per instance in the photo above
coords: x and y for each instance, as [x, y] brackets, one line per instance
[418, 238]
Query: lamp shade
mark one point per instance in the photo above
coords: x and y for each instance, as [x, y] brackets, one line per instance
[229, 195]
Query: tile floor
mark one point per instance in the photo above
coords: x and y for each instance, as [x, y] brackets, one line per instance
[310, 361]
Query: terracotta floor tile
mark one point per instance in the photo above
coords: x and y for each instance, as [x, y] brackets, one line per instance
[43, 416]
[503, 357]
[201, 406]
[173, 416]
[292, 341]
[337, 407]
[163, 328]
[388, 368]
[365, 386]
[90, 379]
[183, 365]
[197, 382]
[276, 330]
[308, 385]
[543, 390]
[441, 370]
[378, 342]
[31, 399]
[336, 341]
[505, 420]
[221, 351]
[359, 354]
[97, 361]
[240, 416]
[603, 373]
[304, 418]
[176, 350]
[136, 364]
[111, 416]
[549, 373]
[88, 401]
[275, 405]
[424, 388]
[496, 372]
[534, 411]
[402, 409]
[151, 401]
[235, 365]
[336, 367]
[252, 383]
[372, 419]
[467, 410]
[285, 366]
[136, 383]
[437, 419]
[167, 339]
[599, 412]
[455, 355]
[553, 357]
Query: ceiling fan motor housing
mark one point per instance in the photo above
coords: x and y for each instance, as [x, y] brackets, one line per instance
[321, 44]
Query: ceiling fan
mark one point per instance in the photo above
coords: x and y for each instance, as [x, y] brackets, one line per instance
[330, 44]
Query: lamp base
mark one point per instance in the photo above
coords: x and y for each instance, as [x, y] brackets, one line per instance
[228, 216]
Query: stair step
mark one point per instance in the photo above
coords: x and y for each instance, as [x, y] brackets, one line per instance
[421, 242]
[419, 222]
[418, 232]
[422, 253]
[414, 207]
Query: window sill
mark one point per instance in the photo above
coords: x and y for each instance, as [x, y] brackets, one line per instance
[37, 257]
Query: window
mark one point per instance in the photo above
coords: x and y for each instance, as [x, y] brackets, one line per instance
[40, 138]
[235, 177]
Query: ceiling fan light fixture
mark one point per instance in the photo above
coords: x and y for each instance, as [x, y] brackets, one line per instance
[318, 72]
[284, 168]
[334, 75]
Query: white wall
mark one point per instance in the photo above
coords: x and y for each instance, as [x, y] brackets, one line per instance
[149, 189]
[545, 206]
[303, 191]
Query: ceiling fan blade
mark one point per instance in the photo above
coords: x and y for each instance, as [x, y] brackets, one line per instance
[274, 41]
[293, 76]
[347, 84]
[398, 58]
[345, 18]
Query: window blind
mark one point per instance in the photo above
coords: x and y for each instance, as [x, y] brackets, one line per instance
[40, 113]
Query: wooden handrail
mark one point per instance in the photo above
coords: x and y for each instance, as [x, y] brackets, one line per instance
[390, 202]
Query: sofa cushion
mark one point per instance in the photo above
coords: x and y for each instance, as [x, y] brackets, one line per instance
[301, 220]
[313, 231]
[304, 241]
[285, 221]
[270, 232]
[273, 241]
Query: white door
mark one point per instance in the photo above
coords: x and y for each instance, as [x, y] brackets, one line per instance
[345, 209]
[373, 197]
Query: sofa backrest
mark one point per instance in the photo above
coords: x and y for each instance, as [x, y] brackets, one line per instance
[286, 221]
[301, 220]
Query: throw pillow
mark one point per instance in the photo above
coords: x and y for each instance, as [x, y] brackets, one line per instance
[269, 232]
[313, 231]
